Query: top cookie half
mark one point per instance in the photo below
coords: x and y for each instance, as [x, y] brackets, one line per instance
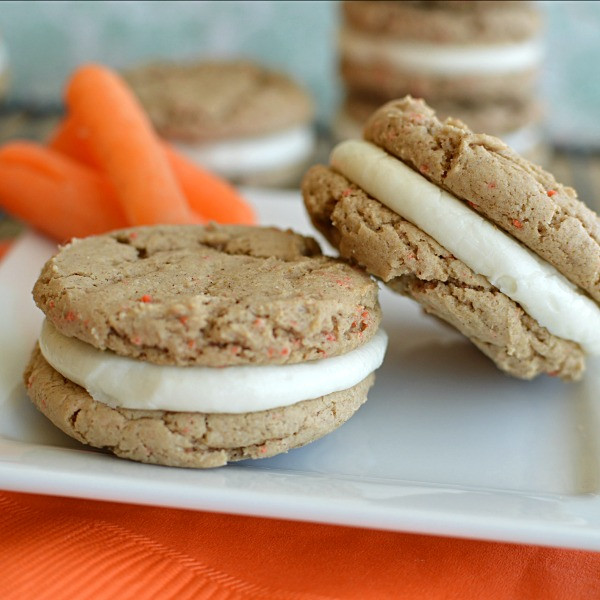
[212, 296]
[516, 195]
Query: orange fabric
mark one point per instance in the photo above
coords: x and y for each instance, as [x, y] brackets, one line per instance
[53, 548]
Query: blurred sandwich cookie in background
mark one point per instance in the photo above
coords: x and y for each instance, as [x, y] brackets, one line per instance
[251, 125]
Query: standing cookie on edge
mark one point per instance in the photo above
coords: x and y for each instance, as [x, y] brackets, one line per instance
[194, 346]
[247, 123]
[482, 238]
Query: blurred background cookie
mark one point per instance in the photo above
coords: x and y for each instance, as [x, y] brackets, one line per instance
[243, 121]
[476, 61]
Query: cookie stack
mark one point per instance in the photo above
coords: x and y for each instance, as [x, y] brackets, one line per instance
[475, 61]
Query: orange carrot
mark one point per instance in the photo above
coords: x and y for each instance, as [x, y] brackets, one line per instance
[123, 143]
[71, 139]
[55, 194]
[206, 193]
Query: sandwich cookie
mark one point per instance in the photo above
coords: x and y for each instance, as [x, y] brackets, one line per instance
[482, 238]
[196, 346]
[236, 118]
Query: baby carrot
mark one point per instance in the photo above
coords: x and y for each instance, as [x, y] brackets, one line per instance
[54, 194]
[206, 193]
[71, 139]
[122, 141]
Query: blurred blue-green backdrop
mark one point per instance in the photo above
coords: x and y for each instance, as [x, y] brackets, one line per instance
[46, 40]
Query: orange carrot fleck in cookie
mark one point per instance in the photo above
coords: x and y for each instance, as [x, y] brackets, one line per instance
[517, 224]
[146, 298]
[551, 193]
[491, 185]
[424, 168]
[472, 204]
[124, 145]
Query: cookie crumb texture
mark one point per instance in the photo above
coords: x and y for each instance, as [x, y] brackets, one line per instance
[185, 439]
[412, 263]
[518, 196]
[212, 296]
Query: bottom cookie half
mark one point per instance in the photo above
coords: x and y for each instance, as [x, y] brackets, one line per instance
[185, 439]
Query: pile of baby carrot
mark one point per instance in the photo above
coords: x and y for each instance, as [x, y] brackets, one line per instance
[105, 168]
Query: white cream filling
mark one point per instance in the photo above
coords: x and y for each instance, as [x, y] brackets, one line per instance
[128, 383]
[244, 156]
[538, 287]
[442, 59]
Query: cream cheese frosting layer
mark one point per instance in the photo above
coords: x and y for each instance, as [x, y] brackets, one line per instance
[244, 156]
[545, 294]
[442, 59]
[128, 383]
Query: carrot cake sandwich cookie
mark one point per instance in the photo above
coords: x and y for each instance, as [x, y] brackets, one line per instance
[194, 346]
[249, 124]
[483, 239]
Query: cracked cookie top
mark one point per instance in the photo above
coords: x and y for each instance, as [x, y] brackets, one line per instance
[203, 101]
[516, 195]
[213, 296]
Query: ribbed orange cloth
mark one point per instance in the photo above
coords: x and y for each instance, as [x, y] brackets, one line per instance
[54, 548]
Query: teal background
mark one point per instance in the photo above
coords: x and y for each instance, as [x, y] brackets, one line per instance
[46, 40]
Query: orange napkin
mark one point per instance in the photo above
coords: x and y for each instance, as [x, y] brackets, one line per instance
[54, 548]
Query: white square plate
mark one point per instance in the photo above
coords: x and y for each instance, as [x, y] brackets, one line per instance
[445, 445]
